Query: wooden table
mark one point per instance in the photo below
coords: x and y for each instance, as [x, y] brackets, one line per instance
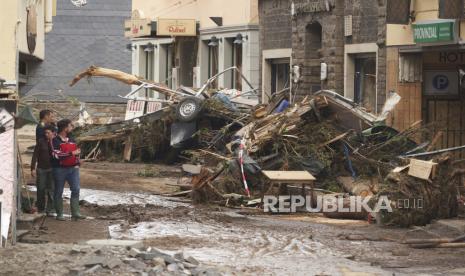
[290, 177]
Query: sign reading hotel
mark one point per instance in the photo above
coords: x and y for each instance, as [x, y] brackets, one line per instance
[176, 27]
[315, 6]
[433, 32]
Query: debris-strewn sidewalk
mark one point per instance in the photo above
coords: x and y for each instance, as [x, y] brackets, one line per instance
[105, 257]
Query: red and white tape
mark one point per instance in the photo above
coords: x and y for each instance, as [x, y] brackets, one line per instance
[241, 163]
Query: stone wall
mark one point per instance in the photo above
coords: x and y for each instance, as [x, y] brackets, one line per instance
[275, 24]
[368, 19]
[308, 56]
[318, 36]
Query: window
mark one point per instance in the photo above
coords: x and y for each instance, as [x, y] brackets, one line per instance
[213, 63]
[237, 61]
[279, 75]
[365, 81]
[146, 66]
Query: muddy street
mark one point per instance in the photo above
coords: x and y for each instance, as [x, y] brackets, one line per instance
[123, 202]
[244, 243]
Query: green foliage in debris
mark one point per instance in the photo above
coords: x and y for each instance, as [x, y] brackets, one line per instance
[148, 171]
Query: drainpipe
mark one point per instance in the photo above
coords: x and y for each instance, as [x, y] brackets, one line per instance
[48, 15]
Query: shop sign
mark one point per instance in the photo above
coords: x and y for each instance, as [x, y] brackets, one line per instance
[137, 26]
[433, 32]
[441, 83]
[444, 57]
[176, 27]
[315, 6]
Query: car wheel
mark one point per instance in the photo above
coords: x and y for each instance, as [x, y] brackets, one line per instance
[188, 109]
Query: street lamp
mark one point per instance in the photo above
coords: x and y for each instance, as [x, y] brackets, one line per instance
[213, 42]
[149, 47]
[239, 39]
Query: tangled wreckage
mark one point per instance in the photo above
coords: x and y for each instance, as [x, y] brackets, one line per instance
[347, 150]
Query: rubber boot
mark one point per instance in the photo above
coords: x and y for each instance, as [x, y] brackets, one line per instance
[75, 210]
[59, 210]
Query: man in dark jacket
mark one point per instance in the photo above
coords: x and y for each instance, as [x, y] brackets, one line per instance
[41, 168]
[46, 118]
[65, 163]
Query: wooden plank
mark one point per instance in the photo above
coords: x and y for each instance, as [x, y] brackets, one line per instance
[289, 176]
[421, 169]
[127, 149]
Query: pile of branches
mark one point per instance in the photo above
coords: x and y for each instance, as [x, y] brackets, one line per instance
[306, 137]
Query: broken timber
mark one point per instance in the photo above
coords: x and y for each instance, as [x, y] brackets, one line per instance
[94, 71]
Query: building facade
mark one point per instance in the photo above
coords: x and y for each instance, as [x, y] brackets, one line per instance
[275, 46]
[23, 24]
[184, 43]
[325, 44]
[81, 37]
[425, 65]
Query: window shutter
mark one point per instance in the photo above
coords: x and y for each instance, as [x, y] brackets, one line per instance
[451, 9]
[398, 12]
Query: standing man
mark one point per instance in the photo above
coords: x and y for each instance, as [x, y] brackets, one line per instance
[46, 118]
[41, 168]
[65, 163]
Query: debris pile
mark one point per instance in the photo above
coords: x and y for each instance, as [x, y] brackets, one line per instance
[348, 151]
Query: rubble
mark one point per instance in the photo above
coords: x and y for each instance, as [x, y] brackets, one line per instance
[348, 150]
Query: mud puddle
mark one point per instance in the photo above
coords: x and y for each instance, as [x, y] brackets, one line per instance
[252, 249]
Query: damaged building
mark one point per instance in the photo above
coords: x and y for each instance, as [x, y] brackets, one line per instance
[334, 45]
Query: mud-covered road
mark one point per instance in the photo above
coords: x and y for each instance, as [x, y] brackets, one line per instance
[123, 205]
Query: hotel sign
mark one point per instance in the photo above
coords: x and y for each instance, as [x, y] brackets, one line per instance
[176, 27]
[315, 6]
[433, 32]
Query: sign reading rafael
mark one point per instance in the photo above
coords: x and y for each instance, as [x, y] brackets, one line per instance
[176, 27]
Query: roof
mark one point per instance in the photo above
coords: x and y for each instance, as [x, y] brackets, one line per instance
[91, 35]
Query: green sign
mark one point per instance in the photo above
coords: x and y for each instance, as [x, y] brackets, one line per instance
[433, 32]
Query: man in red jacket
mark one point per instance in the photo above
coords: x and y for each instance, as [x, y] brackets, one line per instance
[65, 163]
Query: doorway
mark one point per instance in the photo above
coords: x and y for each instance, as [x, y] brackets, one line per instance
[365, 81]
[186, 60]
